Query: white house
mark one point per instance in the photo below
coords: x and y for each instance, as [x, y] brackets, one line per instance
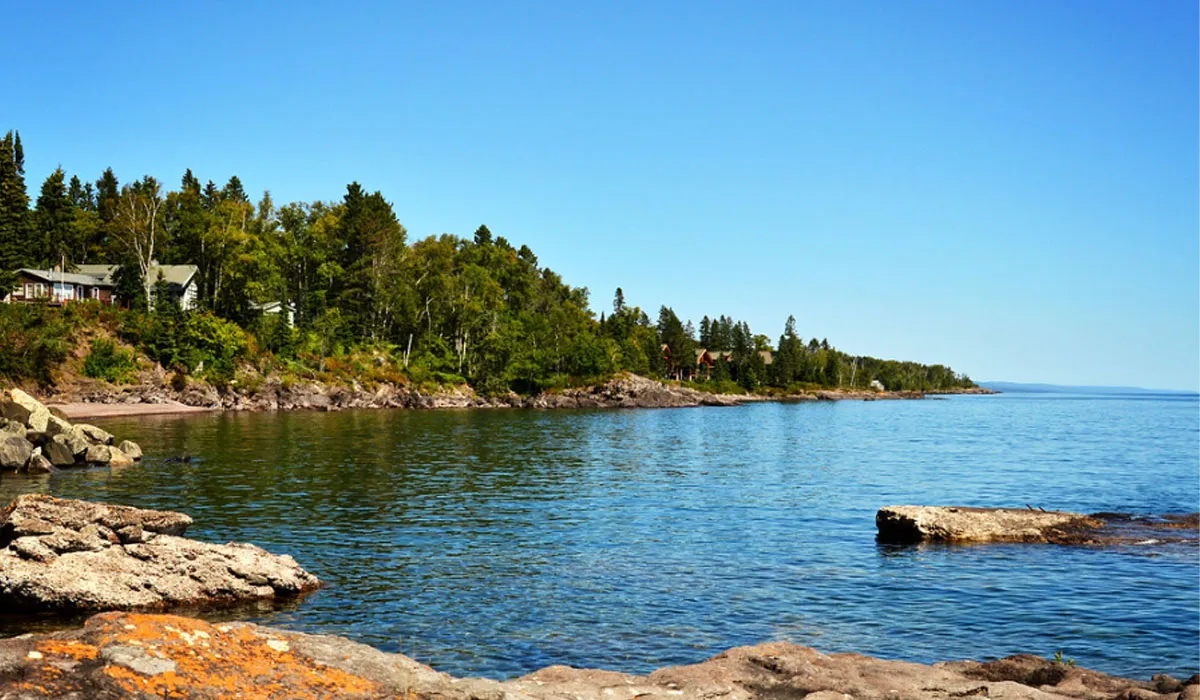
[181, 279]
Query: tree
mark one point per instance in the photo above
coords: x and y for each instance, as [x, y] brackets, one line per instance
[54, 222]
[102, 245]
[14, 211]
[139, 228]
[374, 250]
[680, 345]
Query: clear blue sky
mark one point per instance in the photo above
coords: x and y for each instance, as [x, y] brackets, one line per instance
[1009, 188]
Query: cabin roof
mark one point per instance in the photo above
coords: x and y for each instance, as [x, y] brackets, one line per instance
[65, 277]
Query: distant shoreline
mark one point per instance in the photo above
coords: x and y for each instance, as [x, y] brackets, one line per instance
[624, 391]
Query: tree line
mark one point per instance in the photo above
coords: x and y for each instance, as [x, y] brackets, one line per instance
[479, 309]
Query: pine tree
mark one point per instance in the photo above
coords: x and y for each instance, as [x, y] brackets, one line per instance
[54, 223]
[14, 211]
[233, 190]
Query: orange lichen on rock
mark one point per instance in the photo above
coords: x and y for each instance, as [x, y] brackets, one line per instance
[76, 650]
[218, 660]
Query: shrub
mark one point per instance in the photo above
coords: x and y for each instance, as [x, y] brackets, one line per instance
[108, 362]
[33, 341]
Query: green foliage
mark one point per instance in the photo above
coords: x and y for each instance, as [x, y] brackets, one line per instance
[108, 362]
[35, 341]
[212, 344]
[368, 303]
[1058, 659]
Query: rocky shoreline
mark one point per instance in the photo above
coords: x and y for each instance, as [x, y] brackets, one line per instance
[68, 556]
[623, 391]
[36, 440]
[146, 656]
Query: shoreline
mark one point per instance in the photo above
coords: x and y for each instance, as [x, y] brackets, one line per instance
[119, 654]
[99, 400]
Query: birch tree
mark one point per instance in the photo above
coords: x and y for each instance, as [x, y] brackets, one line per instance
[139, 224]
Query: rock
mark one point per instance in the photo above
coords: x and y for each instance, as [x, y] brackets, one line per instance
[56, 425]
[120, 654]
[36, 438]
[38, 464]
[14, 452]
[98, 454]
[18, 406]
[1190, 692]
[131, 448]
[39, 514]
[629, 391]
[107, 454]
[909, 524]
[118, 458]
[94, 435]
[1166, 684]
[75, 442]
[58, 454]
[115, 557]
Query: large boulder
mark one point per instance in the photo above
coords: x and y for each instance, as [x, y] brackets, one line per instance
[962, 525]
[58, 454]
[14, 451]
[75, 442]
[18, 406]
[67, 555]
[56, 425]
[94, 435]
[117, 655]
[131, 448]
[37, 464]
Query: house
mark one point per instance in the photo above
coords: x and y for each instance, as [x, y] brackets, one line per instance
[58, 288]
[274, 308]
[181, 280]
[97, 282]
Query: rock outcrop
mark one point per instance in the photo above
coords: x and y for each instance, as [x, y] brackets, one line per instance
[72, 556]
[35, 441]
[631, 391]
[962, 525]
[136, 655]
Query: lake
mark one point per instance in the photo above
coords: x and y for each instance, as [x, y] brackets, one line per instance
[498, 542]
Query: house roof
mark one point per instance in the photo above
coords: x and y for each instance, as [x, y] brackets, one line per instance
[173, 274]
[66, 277]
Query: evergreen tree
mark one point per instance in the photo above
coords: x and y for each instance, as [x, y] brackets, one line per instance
[108, 196]
[14, 211]
[54, 224]
[233, 190]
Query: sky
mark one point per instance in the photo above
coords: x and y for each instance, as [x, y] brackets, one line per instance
[1009, 188]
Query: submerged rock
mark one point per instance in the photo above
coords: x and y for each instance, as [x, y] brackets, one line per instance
[907, 524]
[137, 655]
[67, 555]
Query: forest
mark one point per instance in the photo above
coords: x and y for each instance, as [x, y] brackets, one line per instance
[449, 309]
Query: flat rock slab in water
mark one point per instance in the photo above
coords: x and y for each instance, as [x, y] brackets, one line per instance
[962, 525]
[138, 655]
[907, 524]
[66, 555]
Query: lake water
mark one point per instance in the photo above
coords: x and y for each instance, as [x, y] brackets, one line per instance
[498, 542]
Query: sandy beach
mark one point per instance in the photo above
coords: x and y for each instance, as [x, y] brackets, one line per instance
[77, 410]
